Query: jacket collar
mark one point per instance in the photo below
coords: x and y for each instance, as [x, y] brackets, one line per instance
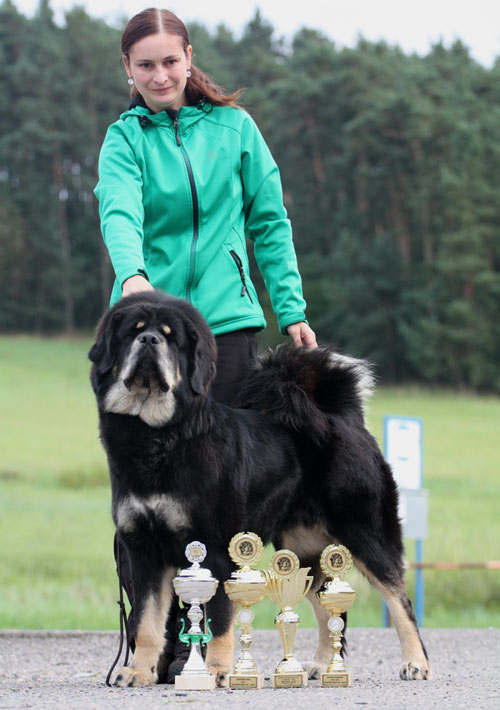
[136, 100]
[188, 115]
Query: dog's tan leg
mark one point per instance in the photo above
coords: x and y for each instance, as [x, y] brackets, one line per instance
[150, 637]
[220, 654]
[324, 651]
[415, 665]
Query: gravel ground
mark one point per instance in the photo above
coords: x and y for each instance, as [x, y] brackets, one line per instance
[58, 670]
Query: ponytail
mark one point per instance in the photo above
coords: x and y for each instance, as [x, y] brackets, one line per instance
[201, 89]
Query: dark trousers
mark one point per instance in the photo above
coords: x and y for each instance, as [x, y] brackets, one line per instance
[235, 352]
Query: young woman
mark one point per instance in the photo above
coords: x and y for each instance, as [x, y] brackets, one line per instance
[184, 178]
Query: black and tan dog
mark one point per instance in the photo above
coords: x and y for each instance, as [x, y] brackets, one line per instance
[294, 464]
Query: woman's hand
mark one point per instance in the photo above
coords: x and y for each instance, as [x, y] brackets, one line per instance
[302, 335]
[136, 284]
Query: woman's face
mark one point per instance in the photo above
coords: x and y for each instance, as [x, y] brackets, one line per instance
[158, 66]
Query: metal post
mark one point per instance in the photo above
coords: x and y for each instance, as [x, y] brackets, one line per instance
[419, 583]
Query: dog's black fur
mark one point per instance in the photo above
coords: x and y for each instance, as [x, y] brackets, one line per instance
[293, 463]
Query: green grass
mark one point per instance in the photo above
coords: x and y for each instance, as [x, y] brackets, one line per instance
[56, 562]
[49, 419]
[57, 569]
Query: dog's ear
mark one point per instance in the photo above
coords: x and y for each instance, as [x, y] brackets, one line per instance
[202, 357]
[105, 349]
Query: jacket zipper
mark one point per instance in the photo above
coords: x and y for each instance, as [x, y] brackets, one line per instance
[239, 265]
[194, 195]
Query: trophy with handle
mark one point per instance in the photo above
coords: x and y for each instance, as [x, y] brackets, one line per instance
[195, 586]
[336, 596]
[287, 584]
[246, 587]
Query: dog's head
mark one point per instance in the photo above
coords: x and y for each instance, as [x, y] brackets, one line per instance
[152, 351]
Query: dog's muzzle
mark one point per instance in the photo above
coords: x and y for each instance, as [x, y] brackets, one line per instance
[148, 339]
[146, 371]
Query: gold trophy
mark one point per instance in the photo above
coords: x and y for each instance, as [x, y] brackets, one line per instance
[287, 584]
[247, 586]
[336, 597]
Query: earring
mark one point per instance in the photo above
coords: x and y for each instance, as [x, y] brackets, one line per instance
[188, 74]
[130, 81]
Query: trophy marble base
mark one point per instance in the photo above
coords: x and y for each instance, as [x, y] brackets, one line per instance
[290, 680]
[339, 679]
[246, 682]
[195, 682]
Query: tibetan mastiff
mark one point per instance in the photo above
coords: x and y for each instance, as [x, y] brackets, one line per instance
[292, 462]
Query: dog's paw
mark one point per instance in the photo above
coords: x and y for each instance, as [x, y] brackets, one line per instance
[221, 674]
[314, 669]
[134, 678]
[222, 679]
[414, 671]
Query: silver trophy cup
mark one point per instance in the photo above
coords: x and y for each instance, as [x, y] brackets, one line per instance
[195, 586]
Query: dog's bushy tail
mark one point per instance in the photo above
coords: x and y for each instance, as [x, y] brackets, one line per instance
[302, 389]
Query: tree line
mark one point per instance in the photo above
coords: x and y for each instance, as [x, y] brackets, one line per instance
[390, 165]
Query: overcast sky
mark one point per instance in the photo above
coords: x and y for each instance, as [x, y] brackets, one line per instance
[412, 25]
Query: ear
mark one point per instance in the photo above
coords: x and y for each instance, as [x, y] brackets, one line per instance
[202, 358]
[104, 351]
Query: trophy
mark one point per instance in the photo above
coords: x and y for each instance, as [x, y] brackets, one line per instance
[336, 597]
[195, 585]
[246, 586]
[287, 584]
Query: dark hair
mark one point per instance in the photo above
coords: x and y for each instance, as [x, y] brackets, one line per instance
[199, 87]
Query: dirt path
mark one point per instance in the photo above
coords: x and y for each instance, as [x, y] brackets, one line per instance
[55, 670]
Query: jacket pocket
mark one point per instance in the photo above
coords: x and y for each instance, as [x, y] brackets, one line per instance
[239, 266]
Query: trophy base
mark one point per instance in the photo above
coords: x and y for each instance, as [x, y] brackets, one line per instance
[195, 682]
[290, 680]
[246, 682]
[339, 679]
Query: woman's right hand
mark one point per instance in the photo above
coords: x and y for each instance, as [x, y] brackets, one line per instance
[136, 284]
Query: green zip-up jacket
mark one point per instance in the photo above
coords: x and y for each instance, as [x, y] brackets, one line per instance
[178, 193]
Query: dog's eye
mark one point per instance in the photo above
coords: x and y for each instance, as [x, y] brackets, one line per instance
[166, 329]
[140, 324]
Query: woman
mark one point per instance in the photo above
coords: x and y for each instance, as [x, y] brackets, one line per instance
[184, 178]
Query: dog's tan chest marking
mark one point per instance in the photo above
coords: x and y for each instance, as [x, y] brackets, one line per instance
[155, 408]
[164, 507]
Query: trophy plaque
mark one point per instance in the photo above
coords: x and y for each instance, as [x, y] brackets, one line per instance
[195, 586]
[246, 587]
[287, 584]
[336, 596]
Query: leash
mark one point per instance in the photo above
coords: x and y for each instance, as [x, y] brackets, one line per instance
[123, 617]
